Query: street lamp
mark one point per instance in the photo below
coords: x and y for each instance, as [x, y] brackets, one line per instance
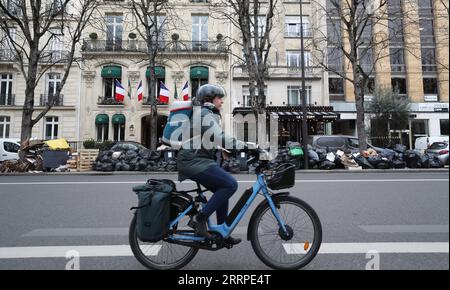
[303, 96]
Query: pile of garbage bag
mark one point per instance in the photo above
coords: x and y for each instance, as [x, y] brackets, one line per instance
[132, 160]
[368, 159]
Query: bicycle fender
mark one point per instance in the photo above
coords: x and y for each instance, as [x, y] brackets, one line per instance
[275, 197]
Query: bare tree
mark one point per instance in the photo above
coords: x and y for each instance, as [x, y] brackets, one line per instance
[254, 21]
[151, 18]
[357, 36]
[39, 24]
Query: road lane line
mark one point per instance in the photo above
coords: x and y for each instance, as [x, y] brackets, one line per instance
[239, 181]
[405, 228]
[125, 251]
[363, 248]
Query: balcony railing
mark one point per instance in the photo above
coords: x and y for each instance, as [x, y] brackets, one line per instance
[54, 56]
[307, 32]
[141, 46]
[146, 101]
[7, 100]
[109, 101]
[50, 99]
[8, 55]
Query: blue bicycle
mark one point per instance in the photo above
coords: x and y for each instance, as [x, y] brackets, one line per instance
[284, 231]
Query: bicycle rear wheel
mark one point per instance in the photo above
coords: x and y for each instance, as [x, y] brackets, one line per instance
[161, 255]
[283, 251]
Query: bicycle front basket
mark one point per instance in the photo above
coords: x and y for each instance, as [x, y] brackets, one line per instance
[283, 177]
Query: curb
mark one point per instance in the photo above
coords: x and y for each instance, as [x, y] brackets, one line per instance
[97, 173]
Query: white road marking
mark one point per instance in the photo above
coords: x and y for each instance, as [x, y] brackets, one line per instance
[239, 181]
[405, 228]
[363, 248]
[125, 251]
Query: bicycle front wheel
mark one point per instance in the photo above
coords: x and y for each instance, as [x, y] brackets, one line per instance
[291, 250]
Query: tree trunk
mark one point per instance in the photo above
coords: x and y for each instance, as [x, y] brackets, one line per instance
[359, 101]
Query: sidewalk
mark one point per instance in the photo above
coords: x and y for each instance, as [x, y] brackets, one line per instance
[98, 173]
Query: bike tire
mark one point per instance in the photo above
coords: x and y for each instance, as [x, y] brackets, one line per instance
[146, 260]
[254, 236]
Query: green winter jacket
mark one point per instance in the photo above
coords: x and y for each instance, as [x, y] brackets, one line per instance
[191, 162]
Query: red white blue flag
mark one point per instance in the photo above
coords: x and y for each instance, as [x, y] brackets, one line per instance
[120, 91]
[140, 91]
[185, 92]
[163, 93]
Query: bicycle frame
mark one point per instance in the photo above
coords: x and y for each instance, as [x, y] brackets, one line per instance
[223, 229]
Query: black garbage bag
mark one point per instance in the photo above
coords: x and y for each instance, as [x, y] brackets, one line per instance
[226, 164]
[363, 162]
[125, 167]
[107, 167]
[322, 153]
[424, 161]
[234, 166]
[327, 165]
[142, 165]
[399, 156]
[383, 164]
[400, 148]
[390, 155]
[145, 153]
[313, 156]
[338, 162]
[374, 160]
[118, 166]
[436, 163]
[131, 154]
[398, 164]
[155, 155]
[411, 158]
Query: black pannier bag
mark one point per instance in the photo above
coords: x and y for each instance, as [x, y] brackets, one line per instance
[153, 210]
[283, 177]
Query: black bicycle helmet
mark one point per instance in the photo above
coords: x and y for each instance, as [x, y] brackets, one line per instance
[208, 91]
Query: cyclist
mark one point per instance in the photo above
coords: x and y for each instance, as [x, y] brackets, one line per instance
[200, 166]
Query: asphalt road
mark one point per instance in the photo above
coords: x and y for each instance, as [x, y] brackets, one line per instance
[403, 216]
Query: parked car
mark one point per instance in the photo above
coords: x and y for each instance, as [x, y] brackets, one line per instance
[127, 145]
[9, 149]
[439, 149]
[423, 143]
[340, 142]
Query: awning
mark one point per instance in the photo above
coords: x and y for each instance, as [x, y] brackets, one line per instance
[112, 71]
[309, 115]
[101, 119]
[118, 119]
[160, 72]
[199, 72]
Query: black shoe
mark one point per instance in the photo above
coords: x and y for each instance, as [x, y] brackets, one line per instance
[201, 226]
[232, 241]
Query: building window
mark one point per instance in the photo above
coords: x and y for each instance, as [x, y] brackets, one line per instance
[399, 86]
[294, 95]
[294, 59]
[158, 35]
[114, 30]
[5, 124]
[53, 83]
[199, 33]
[110, 87]
[6, 89]
[102, 132]
[429, 59]
[261, 26]
[430, 88]
[336, 89]
[56, 44]
[370, 87]
[246, 100]
[293, 25]
[397, 58]
[444, 126]
[119, 132]
[51, 128]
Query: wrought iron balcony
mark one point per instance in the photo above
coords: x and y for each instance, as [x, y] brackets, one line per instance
[8, 55]
[108, 101]
[142, 46]
[147, 102]
[54, 56]
[7, 100]
[50, 99]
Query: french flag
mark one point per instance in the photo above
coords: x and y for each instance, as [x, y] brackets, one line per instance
[163, 93]
[120, 91]
[140, 91]
[185, 92]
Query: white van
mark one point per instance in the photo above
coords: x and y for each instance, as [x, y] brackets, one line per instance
[9, 149]
[422, 143]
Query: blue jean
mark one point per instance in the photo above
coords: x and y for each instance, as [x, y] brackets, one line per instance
[223, 185]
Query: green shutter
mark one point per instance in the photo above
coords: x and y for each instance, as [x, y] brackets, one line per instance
[199, 72]
[112, 71]
[160, 72]
[101, 119]
[118, 119]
